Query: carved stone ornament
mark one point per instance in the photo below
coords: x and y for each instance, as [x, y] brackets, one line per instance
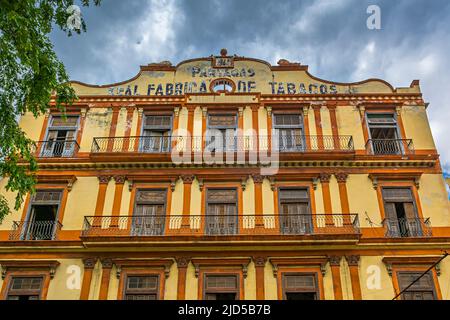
[104, 179]
[259, 261]
[341, 177]
[352, 260]
[325, 177]
[107, 263]
[89, 263]
[187, 178]
[334, 260]
[120, 179]
[182, 262]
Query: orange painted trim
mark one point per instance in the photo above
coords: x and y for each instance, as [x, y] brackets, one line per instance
[294, 269]
[117, 199]
[337, 285]
[190, 123]
[138, 272]
[255, 125]
[181, 284]
[104, 284]
[101, 196]
[86, 284]
[318, 122]
[400, 184]
[396, 270]
[7, 282]
[112, 128]
[129, 121]
[222, 272]
[260, 282]
[356, 286]
[334, 126]
[343, 196]
[44, 128]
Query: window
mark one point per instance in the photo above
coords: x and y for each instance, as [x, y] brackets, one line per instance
[423, 289]
[401, 216]
[384, 135]
[221, 133]
[42, 223]
[221, 212]
[141, 288]
[300, 286]
[220, 287]
[222, 85]
[157, 130]
[294, 211]
[61, 137]
[150, 213]
[25, 288]
[289, 130]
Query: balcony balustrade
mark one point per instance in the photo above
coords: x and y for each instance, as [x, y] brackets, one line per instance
[220, 225]
[390, 147]
[407, 227]
[275, 143]
[35, 230]
[56, 148]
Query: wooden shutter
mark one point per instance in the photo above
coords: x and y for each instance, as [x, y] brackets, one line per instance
[46, 197]
[142, 288]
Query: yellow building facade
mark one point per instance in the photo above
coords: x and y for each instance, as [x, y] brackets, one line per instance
[229, 178]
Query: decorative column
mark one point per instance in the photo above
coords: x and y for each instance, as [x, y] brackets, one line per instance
[241, 137]
[318, 121]
[138, 128]
[258, 181]
[187, 186]
[120, 181]
[269, 130]
[325, 182]
[305, 110]
[334, 127]
[260, 263]
[89, 264]
[103, 184]
[204, 125]
[106, 276]
[191, 143]
[175, 125]
[83, 113]
[112, 128]
[182, 265]
[255, 128]
[353, 264]
[341, 178]
[335, 264]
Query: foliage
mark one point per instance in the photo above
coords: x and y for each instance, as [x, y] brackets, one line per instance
[30, 73]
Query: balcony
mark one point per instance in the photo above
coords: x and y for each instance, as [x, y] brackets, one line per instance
[407, 227]
[56, 148]
[221, 225]
[282, 144]
[35, 230]
[390, 147]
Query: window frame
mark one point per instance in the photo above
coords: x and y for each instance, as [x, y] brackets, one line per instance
[294, 273]
[414, 269]
[166, 207]
[49, 128]
[7, 282]
[156, 128]
[60, 204]
[130, 275]
[239, 283]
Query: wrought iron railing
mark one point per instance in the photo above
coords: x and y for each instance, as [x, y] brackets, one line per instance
[390, 146]
[35, 230]
[220, 225]
[56, 148]
[275, 143]
[407, 227]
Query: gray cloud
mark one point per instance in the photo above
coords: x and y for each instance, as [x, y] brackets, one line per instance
[328, 35]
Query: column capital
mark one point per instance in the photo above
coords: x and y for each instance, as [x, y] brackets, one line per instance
[182, 262]
[104, 179]
[120, 179]
[204, 112]
[187, 179]
[89, 263]
[269, 111]
[334, 260]
[305, 111]
[352, 260]
[106, 263]
[176, 111]
[257, 178]
[324, 177]
[341, 177]
[259, 261]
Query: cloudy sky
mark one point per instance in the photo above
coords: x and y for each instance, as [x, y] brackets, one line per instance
[331, 36]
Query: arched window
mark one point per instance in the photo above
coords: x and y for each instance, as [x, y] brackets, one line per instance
[222, 85]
